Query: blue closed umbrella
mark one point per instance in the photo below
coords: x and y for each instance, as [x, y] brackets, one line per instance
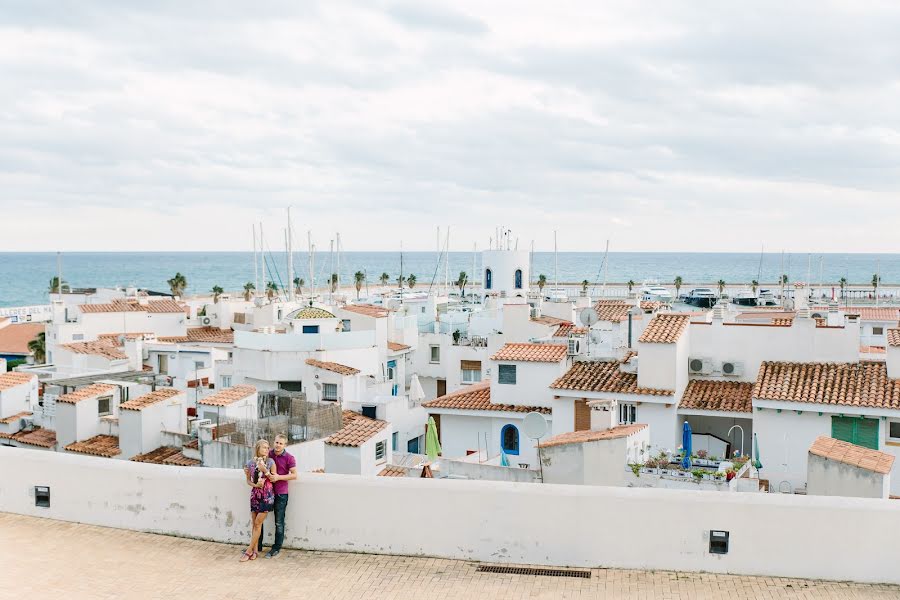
[686, 444]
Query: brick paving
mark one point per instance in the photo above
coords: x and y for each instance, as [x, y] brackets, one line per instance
[53, 559]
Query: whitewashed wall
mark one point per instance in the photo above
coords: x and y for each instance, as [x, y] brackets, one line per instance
[771, 534]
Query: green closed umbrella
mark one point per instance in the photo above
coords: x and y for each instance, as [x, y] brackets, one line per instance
[757, 464]
[432, 444]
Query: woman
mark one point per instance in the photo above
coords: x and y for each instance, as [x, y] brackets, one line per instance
[262, 494]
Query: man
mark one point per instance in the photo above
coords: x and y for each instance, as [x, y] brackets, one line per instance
[285, 471]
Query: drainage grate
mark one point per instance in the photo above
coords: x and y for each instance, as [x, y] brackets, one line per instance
[533, 571]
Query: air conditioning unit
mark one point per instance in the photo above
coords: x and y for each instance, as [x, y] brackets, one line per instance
[574, 346]
[196, 424]
[26, 423]
[732, 368]
[700, 366]
[205, 320]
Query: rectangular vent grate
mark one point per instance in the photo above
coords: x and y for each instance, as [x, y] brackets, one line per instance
[533, 571]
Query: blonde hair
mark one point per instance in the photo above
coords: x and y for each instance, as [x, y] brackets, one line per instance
[256, 448]
[281, 436]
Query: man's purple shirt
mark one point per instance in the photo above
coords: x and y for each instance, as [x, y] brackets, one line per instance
[284, 462]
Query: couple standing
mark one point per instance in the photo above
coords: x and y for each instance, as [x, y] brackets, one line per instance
[268, 475]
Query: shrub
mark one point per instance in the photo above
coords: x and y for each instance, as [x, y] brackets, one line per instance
[701, 453]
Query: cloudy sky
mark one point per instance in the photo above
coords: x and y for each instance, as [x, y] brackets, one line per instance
[659, 125]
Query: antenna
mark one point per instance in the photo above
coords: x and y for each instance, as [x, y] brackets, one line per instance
[534, 426]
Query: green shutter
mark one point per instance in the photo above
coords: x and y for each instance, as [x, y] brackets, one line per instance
[842, 428]
[867, 433]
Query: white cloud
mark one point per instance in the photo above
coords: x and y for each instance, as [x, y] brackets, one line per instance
[659, 125]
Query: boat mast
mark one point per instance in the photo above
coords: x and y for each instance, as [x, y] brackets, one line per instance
[556, 262]
[255, 264]
[290, 258]
[605, 267]
[312, 265]
[262, 255]
[338, 235]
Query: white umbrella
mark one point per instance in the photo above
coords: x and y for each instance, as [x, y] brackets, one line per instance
[416, 393]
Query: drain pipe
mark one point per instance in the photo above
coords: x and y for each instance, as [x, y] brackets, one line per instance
[629, 329]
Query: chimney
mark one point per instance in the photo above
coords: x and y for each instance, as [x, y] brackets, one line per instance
[604, 414]
[801, 297]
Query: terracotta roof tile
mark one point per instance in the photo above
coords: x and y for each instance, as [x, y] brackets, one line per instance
[872, 349]
[105, 347]
[44, 438]
[180, 460]
[712, 394]
[628, 356]
[613, 312]
[369, 310]
[13, 379]
[392, 472]
[133, 335]
[863, 384]
[872, 313]
[153, 306]
[665, 328]
[14, 338]
[88, 391]
[146, 400]
[565, 330]
[14, 418]
[651, 305]
[851, 454]
[893, 337]
[478, 397]
[228, 396]
[213, 335]
[548, 320]
[332, 366]
[397, 347]
[310, 313]
[531, 353]
[99, 445]
[603, 376]
[580, 437]
[194, 444]
[166, 455]
[356, 432]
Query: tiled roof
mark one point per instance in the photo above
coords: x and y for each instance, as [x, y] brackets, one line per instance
[392, 472]
[851, 454]
[603, 376]
[783, 322]
[369, 310]
[478, 397]
[397, 347]
[863, 384]
[212, 335]
[105, 347]
[146, 400]
[580, 437]
[194, 444]
[358, 431]
[14, 338]
[531, 352]
[88, 391]
[44, 438]
[228, 396]
[13, 379]
[665, 328]
[166, 455]
[893, 337]
[871, 313]
[712, 394]
[872, 349]
[14, 418]
[548, 320]
[332, 366]
[615, 313]
[569, 329]
[628, 356]
[99, 445]
[651, 305]
[154, 306]
[310, 312]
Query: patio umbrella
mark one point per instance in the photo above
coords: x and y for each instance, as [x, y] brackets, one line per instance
[686, 444]
[432, 445]
[756, 462]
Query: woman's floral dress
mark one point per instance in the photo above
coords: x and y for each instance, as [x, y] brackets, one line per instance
[262, 499]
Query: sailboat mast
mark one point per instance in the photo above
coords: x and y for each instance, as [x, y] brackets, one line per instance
[255, 264]
[290, 258]
[262, 256]
[605, 267]
[556, 262]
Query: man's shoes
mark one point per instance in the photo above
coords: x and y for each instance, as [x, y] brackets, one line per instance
[272, 553]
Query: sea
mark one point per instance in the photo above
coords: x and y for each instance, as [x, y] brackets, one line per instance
[25, 277]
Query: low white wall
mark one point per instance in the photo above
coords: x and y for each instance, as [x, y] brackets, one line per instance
[771, 534]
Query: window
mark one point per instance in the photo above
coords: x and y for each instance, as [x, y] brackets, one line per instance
[394, 437]
[310, 329]
[103, 406]
[369, 411]
[435, 354]
[506, 374]
[856, 430]
[627, 414]
[225, 381]
[392, 369]
[878, 331]
[199, 364]
[345, 325]
[412, 446]
[291, 386]
[488, 279]
[518, 279]
[470, 376]
[380, 449]
[77, 336]
[423, 310]
[894, 430]
[509, 437]
[212, 416]
[329, 391]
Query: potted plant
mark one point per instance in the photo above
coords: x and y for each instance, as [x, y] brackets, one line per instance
[729, 474]
[456, 336]
[698, 474]
[636, 469]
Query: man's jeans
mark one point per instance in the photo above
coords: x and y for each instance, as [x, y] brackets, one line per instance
[281, 501]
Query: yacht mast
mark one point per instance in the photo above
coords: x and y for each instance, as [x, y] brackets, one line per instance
[605, 267]
[338, 235]
[290, 258]
[312, 265]
[262, 256]
[255, 264]
[556, 262]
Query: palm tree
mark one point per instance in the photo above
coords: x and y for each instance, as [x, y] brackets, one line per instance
[753, 285]
[876, 280]
[333, 282]
[177, 284]
[298, 285]
[358, 279]
[216, 292]
[400, 281]
[38, 346]
[584, 286]
[843, 283]
[271, 290]
[461, 282]
[721, 285]
[248, 291]
[384, 279]
[784, 279]
[54, 286]
[542, 281]
[678, 282]
[411, 281]
[630, 285]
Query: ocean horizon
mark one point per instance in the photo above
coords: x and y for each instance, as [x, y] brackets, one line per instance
[25, 276]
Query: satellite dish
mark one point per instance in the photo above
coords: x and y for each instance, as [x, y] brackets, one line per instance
[588, 317]
[534, 425]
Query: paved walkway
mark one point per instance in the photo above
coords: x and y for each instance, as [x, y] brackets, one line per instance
[51, 559]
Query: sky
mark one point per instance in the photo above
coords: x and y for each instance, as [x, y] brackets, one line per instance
[683, 126]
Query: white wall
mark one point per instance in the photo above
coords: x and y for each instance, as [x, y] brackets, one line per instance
[532, 387]
[832, 478]
[18, 399]
[771, 534]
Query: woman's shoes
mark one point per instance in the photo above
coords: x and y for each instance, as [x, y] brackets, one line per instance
[255, 555]
[247, 556]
